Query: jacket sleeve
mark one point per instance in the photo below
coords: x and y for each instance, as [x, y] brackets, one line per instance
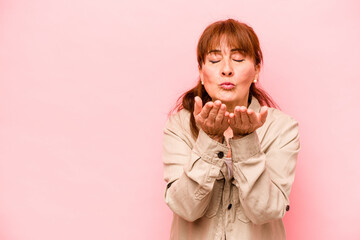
[264, 178]
[190, 171]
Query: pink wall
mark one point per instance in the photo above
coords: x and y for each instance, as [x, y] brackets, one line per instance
[85, 87]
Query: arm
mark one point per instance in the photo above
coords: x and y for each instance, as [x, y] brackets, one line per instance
[190, 171]
[264, 179]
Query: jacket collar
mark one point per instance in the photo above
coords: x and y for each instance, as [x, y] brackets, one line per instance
[254, 105]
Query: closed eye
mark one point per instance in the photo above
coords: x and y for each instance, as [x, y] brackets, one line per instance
[214, 61]
[241, 60]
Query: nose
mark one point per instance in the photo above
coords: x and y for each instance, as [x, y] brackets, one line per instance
[227, 70]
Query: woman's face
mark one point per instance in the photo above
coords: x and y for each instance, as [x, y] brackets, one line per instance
[227, 75]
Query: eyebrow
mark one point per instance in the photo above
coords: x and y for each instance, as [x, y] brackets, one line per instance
[214, 51]
[232, 50]
[236, 50]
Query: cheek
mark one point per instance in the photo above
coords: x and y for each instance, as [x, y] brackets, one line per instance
[247, 74]
[209, 76]
[210, 83]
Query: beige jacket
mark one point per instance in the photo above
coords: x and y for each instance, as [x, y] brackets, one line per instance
[206, 203]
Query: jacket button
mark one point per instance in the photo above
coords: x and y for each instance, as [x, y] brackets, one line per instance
[220, 154]
[229, 206]
[287, 207]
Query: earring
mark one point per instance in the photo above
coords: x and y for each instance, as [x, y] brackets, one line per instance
[202, 82]
[255, 80]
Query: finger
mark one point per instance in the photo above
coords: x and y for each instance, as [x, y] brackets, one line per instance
[206, 110]
[197, 105]
[232, 119]
[220, 114]
[226, 117]
[244, 117]
[237, 113]
[214, 111]
[263, 114]
[253, 118]
[225, 121]
[227, 114]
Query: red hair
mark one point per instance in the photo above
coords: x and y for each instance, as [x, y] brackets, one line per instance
[237, 35]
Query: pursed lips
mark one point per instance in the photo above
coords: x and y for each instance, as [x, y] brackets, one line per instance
[227, 85]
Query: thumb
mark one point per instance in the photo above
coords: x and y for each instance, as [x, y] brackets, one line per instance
[197, 105]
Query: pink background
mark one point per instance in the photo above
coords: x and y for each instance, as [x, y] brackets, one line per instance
[85, 88]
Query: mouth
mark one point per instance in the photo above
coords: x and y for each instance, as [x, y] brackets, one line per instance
[227, 85]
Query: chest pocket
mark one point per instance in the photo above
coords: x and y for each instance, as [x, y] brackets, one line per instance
[240, 214]
[215, 199]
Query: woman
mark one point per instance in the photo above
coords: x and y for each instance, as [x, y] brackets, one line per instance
[229, 162]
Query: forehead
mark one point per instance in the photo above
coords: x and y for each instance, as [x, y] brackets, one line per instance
[224, 44]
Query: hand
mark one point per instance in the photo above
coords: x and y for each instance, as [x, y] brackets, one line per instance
[245, 121]
[213, 118]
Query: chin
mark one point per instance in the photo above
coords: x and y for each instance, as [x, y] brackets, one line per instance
[226, 98]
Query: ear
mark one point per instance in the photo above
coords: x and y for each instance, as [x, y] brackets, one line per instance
[257, 71]
[200, 74]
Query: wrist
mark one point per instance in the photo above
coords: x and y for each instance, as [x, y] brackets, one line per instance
[217, 138]
[238, 136]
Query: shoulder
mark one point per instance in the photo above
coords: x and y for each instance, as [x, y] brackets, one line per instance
[279, 117]
[274, 115]
[179, 124]
[279, 127]
[178, 119]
